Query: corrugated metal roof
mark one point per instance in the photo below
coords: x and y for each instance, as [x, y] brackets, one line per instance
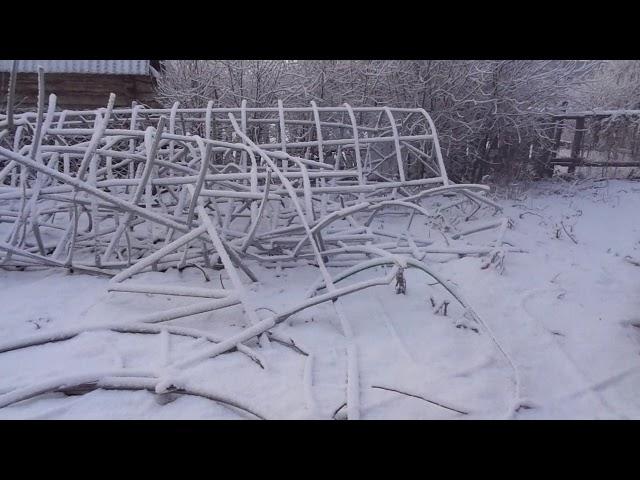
[112, 67]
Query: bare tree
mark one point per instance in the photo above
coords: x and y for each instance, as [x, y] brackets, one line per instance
[490, 114]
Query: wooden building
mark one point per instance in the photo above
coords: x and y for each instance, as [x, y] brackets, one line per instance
[82, 84]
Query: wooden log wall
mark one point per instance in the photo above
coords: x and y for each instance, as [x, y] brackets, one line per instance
[80, 90]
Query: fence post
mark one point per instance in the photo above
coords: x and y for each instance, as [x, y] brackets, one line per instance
[576, 145]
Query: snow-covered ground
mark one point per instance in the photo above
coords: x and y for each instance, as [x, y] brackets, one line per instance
[563, 312]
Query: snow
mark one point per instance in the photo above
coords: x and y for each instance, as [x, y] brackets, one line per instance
[563, 312]
[112, 67]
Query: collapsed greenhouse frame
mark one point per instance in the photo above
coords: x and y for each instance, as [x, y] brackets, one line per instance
[118, 192]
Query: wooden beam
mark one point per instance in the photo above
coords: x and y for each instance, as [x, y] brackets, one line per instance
[578, 162]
